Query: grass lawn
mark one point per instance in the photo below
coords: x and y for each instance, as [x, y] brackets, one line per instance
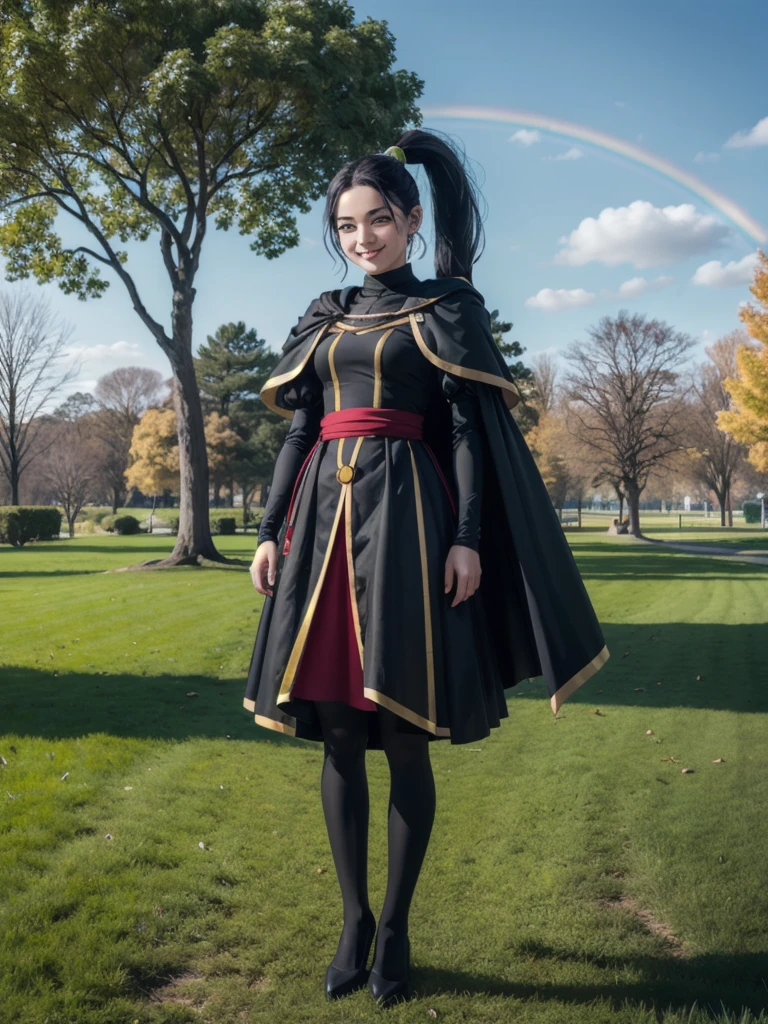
[575, 874]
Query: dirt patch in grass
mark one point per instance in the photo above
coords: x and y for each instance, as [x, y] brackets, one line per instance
[675, 946]
[173, 991]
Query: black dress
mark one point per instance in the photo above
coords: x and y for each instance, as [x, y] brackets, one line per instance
[439, 668]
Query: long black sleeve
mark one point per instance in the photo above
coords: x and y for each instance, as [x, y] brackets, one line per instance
[467, 458]
[305, 397]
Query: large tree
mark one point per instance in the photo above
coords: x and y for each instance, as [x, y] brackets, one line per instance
[624, 399]
[748, 384]
[232, 367]
[134, 119]
[717, 454]
[33, 344]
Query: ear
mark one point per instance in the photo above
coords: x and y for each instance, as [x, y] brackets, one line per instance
[415, 218]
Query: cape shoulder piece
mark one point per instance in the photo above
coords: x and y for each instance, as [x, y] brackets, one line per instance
[449, 321]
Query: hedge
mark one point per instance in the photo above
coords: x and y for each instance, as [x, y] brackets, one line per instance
[751, 510]
[20, 524]
[126, 524]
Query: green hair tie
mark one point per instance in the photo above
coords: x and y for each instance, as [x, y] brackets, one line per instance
[396, 152]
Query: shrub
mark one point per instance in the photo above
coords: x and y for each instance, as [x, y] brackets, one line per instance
[100, 515]
[108, 523]
[752, 511]
[126, 524]
[20, 524]
[225, 525]
[174, 524]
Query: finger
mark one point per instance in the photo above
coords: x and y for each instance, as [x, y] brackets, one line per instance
[461, 591]
[272, 566]
[449, 572]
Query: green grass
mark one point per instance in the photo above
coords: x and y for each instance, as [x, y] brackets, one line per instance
[575, 875]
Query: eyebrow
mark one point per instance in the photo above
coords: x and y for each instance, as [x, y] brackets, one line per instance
[370, 212]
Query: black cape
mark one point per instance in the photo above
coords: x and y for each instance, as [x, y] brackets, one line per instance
[541, 619]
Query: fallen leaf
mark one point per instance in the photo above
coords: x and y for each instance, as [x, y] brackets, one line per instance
[649, 732]
[13, 750]
[719, 760]
[193, 693]
[202, 846]
[108, 835]
[686, 771]
[431, 1012]
[699, 678]
[639, 689]
[127, 787]
[2, 760]
[598, 711]
[10, 795]
[320, 871]
[625, 654]
[63, 776]
[599, 691]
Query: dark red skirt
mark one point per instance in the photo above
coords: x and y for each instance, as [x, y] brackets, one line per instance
[330, 666]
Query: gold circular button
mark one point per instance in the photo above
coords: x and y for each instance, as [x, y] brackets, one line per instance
[344, 474]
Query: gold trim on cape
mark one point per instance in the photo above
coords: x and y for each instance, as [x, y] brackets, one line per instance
[268, 391]
[404, 712]
[270, 723]
[429, 649]
[565, 691]
[509, 391]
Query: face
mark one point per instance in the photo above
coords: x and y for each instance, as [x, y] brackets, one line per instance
[368, 234]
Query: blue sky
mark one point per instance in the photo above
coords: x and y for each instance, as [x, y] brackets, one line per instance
[565, 231]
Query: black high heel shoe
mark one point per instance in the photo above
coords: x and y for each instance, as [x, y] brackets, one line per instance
[387, 993]
[341, 983]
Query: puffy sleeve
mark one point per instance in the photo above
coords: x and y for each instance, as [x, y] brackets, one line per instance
[305, 396]
[467, 457]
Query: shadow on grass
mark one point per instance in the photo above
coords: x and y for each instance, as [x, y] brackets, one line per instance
[709, 666]
[601, 561]
[73, 704]
[735, 982]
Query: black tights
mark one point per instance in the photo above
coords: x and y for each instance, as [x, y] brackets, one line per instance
[344, 789]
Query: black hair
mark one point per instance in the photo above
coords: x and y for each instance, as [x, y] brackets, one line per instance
[459, 235]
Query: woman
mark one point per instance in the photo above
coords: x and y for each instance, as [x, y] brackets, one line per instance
[421, 569]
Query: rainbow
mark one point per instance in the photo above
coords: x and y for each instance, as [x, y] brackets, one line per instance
[567, 129]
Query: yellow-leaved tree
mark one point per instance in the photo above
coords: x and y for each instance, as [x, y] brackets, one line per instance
[154, 453]
[748, 421]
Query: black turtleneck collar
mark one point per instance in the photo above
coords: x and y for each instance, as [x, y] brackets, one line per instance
[401, 279]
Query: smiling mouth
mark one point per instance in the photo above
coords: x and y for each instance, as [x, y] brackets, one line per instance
[370, 252]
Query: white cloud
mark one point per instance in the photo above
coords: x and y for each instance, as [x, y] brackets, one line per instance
[757, 136]
[526, 137]
[551, 300]
[619, 103]
[117, 351]
[574, 153]
[309, 243]
[637, 285]
[733, 274]
[706, 158]
[642, 234]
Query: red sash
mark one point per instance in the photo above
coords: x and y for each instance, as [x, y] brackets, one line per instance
[364, 421]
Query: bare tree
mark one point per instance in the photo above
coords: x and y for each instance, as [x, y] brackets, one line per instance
[32, 343]
[624, 398]
[123, 395]
[71, 470]
[718, 454]
[545, 373]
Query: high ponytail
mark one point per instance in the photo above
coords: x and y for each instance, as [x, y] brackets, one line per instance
[459, 235]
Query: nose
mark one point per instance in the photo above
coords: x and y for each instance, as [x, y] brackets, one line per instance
[364, 238]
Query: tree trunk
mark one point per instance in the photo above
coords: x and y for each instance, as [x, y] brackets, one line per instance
[194, 542]
[621, 506]
[721, 500]
[71, 525]
[633, 508]
[14, 481]
[730, 509]
[115, 500]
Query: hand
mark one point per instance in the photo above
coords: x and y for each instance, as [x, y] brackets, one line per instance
[464, 563]
[264, 564]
